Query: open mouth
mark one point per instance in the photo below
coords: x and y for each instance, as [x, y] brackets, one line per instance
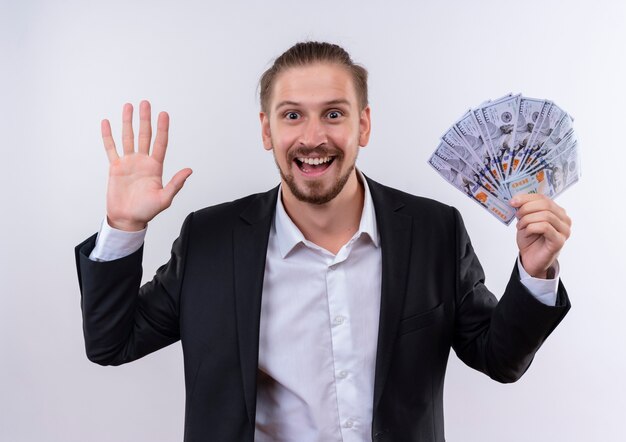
[313, 166]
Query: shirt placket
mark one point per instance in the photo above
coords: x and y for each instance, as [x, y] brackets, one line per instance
[342, 343]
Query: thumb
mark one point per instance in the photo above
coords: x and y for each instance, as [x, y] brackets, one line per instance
[175, 184]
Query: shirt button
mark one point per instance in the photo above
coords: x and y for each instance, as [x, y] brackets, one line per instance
[343, 374]
[348, 424]
[339, 320]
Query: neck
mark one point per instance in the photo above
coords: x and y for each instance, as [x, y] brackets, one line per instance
[329, 225]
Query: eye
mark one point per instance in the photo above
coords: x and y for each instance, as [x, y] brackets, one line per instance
[292, 115]
[333, 114]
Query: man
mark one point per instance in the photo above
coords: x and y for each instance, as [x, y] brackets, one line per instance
[323, 309]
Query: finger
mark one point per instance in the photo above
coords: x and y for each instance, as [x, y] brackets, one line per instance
[532, 207]
[545, 216]
[107, 138]
[128, 137]
[145, 127]
[160, 141]
[546, 230]
[522, 198]
[538, 205]
[175, 184]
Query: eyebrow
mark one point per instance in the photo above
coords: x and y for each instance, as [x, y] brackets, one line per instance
[327, 103]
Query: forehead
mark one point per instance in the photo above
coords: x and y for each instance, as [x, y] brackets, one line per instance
[313, 84]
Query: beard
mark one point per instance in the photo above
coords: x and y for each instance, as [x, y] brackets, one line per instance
[315, 191]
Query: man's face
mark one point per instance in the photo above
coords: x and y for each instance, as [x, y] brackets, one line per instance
[315, 126]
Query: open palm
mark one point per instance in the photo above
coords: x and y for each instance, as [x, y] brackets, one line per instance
[135, 193]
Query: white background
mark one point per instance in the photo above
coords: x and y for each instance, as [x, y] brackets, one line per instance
[68, 64]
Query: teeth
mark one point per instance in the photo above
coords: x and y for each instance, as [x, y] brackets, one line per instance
[315, 161]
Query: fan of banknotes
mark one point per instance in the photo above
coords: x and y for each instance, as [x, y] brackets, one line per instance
[508, 146]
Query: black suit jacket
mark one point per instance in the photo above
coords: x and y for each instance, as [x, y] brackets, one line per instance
[209, 296]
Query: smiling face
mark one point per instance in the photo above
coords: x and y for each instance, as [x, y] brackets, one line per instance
[315, 126]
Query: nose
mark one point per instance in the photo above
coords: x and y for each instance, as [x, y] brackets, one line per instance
[313, 133]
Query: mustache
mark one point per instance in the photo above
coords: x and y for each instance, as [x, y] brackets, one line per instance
[321, 151]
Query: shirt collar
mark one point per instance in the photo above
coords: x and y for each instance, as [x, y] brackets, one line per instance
[288, 235]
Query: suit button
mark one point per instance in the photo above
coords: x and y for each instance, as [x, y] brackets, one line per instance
[380, 434]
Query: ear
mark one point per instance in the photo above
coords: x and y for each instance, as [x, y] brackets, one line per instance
[265, 130]
[365, 124]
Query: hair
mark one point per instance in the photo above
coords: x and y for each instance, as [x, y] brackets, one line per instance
[312, 52]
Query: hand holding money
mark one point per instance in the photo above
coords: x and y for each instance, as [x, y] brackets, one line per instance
[513, 145]
[542, 229]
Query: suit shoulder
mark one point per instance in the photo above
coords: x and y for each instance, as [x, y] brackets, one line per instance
[417, 205]
[227, 212]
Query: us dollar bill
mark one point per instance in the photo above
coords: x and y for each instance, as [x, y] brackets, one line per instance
[450, 156]
[500, 121]
[536, 182]
[549, 120]
[541, 157]
[450, 173]
[558, 139]
[478, 193]
[565, 169]
[469, 132]
[508, 146]
[479, 122]
[453, 139]
[527, 116]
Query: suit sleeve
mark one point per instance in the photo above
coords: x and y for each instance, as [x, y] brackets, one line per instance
[498, 338]
[122, 321]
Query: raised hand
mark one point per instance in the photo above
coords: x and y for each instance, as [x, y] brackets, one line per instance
[135, 193]
[542, 229]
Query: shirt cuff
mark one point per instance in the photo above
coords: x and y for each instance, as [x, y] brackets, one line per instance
[114, 244]
[544, 290]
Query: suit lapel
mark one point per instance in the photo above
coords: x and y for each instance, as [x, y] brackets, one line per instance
[395, 236]
[250, 240]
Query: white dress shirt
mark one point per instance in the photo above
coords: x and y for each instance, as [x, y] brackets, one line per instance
[318, 334]
[318, 330]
